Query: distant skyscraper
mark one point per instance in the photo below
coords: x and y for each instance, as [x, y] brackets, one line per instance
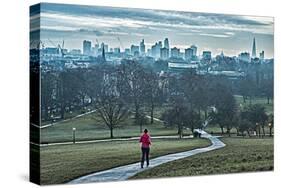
[87, 46]
[245, 57]
[116, 50]
[194, 48]
[188, 53]
[254, 49]
[207, 55]
[153, 50]
[164, 53]
[142, 47]
[262, 55]
[127, 51]
[135, 49]
[167, 45]
[103, 54]
[175, 52]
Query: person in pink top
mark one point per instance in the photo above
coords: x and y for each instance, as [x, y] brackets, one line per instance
[145, 147]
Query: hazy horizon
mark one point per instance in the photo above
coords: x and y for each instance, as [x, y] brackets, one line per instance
[231, 34]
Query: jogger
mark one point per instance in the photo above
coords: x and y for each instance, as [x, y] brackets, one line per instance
[145, 147]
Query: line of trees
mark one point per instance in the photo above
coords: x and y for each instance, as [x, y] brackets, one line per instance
[115, 91]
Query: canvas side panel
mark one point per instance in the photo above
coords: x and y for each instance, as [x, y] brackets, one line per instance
[34, 81]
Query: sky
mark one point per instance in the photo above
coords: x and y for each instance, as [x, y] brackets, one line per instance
[231, 34]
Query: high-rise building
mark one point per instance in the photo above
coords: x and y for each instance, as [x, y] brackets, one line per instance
[254, 49]
[135, 49]
[127, 51]
[164, 53]
[207, 55]
[188, 53]
[103, 54]
[116, 51]
[245, 57]
[87, 46]
[262, 55]
[142, 47]
[194, 48]
[166, 43]
[156, 50]
[175, 52]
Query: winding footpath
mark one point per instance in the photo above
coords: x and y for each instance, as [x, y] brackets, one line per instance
[127, 171]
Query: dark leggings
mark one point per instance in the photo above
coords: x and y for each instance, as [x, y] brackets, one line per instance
[145, 154]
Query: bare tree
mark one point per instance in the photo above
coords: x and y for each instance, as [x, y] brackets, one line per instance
[131, 84]
[112, 111]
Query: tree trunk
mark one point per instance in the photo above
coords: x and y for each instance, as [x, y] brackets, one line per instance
[249, 133]
[206, 113]
[267, 100]
[140, 128]
[244, 99]
[222, 132]
[137, 111]
[62, 111]
[228, 131]
[152, 114]
[270, 131]
[263, 131]
[111, 132]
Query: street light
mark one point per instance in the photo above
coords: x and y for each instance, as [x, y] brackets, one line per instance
[73, 131]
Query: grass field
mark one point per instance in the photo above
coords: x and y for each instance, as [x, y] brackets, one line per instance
[239, 155]
[60, 164]
[239, 99]
[256, 100]
[89, 127]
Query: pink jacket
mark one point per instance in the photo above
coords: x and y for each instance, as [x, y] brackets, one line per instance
[145, 140]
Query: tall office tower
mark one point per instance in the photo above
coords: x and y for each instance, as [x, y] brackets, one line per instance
[158, 48]
[175, 52]
[142, 47]
[135, 50]
[207, 55]
[164, 53]
[166, 45]
[153, 50]
[87, 47]
[194, 48]
[244, 56]
[254, 48]
[103, 54]
[188, 53]
[262, 55]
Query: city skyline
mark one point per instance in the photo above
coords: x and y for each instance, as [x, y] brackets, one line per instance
[231, 34]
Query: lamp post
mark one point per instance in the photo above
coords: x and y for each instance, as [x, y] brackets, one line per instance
[73, 132]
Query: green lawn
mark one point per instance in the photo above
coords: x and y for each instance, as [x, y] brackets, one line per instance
[63, 163]
[256, 100]
[89, 127]
[239, 155]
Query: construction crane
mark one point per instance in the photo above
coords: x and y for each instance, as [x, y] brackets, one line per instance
[59, 47]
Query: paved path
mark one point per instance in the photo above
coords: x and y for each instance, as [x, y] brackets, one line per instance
[65, 120]
[127, 171]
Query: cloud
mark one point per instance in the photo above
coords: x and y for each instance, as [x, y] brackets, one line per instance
[214, 35]
[108, 17]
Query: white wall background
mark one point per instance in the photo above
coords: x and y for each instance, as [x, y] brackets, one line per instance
[14, 92]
